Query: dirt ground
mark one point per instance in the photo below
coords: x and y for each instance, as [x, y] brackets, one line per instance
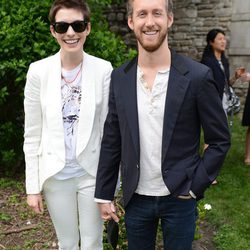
[20, 229]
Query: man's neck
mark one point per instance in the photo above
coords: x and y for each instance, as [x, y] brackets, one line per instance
[153, 62]
[158, 60]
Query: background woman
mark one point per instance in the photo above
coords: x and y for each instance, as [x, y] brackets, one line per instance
[65, 105]
[214, 57]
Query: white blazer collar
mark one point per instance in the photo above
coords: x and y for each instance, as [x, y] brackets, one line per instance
[87, 111]
[52, 93]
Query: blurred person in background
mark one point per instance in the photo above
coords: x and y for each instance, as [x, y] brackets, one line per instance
[214, 57]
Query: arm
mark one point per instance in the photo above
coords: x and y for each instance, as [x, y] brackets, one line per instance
[216, 135]
[32, 138]
[110, 155]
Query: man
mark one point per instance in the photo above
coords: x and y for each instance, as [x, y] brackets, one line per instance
[158, 103]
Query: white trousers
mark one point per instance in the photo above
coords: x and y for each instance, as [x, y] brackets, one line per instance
[74, 213]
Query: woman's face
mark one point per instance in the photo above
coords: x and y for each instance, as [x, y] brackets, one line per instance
[219, 44]
[70, 41]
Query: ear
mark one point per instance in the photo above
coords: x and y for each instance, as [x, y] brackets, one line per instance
[52, 31]
[130, 23]
[170, 20]
[88, 29]
[211, 43]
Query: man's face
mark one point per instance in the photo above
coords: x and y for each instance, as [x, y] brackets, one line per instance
[150, 22]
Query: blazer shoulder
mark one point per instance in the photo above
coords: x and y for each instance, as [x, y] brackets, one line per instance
[99, 62]
[189, 65]
[125, 67]
[47, 59]
[44, 62]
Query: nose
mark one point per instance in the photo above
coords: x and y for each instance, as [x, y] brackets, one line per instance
[70, 30]
[150, 20]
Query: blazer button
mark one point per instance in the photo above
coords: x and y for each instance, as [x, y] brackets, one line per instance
[137, 166]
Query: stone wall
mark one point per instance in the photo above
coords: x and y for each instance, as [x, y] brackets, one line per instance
[192, 20]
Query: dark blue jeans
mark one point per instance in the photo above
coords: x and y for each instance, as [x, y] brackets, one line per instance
[177, 218]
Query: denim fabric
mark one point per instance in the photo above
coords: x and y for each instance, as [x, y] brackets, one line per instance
[177, 218]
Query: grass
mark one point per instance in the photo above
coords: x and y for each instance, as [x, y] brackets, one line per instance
[230, 198]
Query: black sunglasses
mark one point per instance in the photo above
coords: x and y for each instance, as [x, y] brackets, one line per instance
[62, 27]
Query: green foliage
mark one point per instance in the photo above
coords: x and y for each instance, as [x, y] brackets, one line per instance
[25, 37]
[5, 217]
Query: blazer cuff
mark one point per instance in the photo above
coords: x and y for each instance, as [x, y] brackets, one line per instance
[192, 194]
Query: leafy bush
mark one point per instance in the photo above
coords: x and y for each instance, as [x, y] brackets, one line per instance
[24, 38]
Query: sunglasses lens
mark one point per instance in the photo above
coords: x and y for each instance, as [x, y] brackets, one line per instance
[79, 26]
[61, 27]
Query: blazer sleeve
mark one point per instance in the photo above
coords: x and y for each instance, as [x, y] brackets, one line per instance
[216, 135]
[110, 155]
[32, 129]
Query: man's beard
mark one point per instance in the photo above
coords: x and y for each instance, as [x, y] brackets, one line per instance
[152, 47]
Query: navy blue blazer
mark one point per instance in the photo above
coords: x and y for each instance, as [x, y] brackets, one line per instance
[192, 102]
[221, 78]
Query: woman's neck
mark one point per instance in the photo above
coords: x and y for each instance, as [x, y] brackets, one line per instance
[71, 61]
[217, 55]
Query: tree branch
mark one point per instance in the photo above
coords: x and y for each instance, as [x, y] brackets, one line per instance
[18, 230]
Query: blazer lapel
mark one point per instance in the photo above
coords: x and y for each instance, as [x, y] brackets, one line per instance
[129, 91]
[87, 111]
[177, 87]
[54, 106]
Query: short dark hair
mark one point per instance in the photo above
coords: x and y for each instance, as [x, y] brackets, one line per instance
[169, 7]
[80, 5]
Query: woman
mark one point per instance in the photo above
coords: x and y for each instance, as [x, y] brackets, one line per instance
[65, 105]
[214, 57]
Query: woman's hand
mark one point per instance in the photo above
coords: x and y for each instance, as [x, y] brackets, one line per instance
[35, 201]
[239, 72]
[245, 77]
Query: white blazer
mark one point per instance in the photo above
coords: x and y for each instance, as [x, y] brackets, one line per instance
[44, 145]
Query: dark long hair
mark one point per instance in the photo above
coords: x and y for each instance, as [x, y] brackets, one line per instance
[208, 51]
